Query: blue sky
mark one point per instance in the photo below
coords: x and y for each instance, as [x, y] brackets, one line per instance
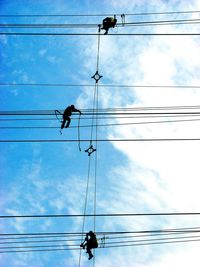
[50, 178]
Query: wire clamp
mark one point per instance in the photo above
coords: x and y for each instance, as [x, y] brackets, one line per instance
[90, 150]
[123, 19]
[99, 28]
[96, 76]
[103, 242]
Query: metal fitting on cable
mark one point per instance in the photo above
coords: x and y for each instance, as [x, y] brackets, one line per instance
[90, 150]
[123, 19]
[96, 76]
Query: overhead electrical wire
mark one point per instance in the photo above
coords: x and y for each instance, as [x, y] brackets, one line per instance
[67, 25]
[108, 245]
[175, 234]
[101, 15]
[99, 112]
[38, 250]
[95, 34]
[87, 26]
[39, 241]
[101, 215]
[44, 239]
[100, 85]
[99, 125]
[116, 111]
[152, 243]
[105, 117]
[107, 237]
[99, 140]
[2, 242]
[135, 108]
[113, 233]
[140, 240]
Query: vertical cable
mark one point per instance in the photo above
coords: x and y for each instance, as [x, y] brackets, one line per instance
[95, 105]
[96, 155]
[93, 115]
[95, 174]
[85, 207]
[79, 138]
[98, 47]
[97, 99]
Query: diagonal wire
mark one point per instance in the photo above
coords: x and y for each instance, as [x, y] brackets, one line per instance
[89, 164]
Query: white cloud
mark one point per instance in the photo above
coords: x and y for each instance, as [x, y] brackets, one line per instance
[157, 177]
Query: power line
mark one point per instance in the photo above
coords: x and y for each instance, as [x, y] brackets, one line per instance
[100, 85]
[101, 125]
[154, 243]
[107, 110]
[185, 232]
[106, 117]
[36, 235]
[138, 241]
[110, 246]
[72, 234]
[107, 243]
[144, 235]
[83, 25]
[101, 15]
[98, 112]
[40, 241]
[78, 239]
[41, 246]
[135, 108]
[99, 140]
[101, 215]
[95, 34]
[38, 250]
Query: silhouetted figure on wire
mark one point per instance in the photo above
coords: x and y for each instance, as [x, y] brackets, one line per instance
[90, 242]
[66, 115]
[108, 23]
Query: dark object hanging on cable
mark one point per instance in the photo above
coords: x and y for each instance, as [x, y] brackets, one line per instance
[123, 19]
[97, 76]
[89, 243]
[108, 23]
[90, 150]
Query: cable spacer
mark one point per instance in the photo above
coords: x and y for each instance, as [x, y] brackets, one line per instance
[96, 76]
[99, 28]
[103, 242]
[123, 19]
[90, 150]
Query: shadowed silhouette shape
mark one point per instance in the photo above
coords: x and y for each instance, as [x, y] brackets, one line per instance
[108, 23]
[89, 243]
[66, 115]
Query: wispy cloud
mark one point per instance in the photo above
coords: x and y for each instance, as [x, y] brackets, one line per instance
[144, 177]
[157, 176]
